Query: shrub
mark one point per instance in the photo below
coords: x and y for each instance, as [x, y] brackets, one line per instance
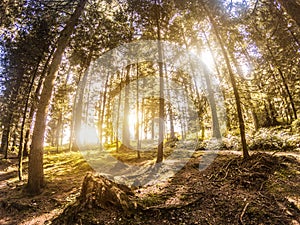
[272, 139]
[296, 126]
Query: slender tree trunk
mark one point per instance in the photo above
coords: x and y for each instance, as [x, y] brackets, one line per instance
[35, 167]
[34, 104]
[21, 149]
[292, 7]
[77, 106]
[102, 111]
[284, 84]
[125, 130]
[213, 106]
[26, 141]
[248, 93]
[210, 93]
[170, 111]
[160, 148]
[289, 93]
[138, 144]
[233, 83]
[58, 131]
[6, 135]
[118, 119]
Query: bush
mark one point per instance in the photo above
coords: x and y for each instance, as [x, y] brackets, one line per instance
[272, 139]
[296, 126]
[232, 142]
[228, 143]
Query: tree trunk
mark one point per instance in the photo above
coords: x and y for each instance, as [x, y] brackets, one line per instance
[102, 111]
[292, 7]
[138, 142]
[248, 93]
[34, 104]
[125, 130]
[35, 167]
[211, 98]
[210, 93]
[118, 118]
[288, 92]
[284, 83]
[77, 104]
[170, 111]
[6, 135]
[21, 149]
[233, 83]
[160, 148]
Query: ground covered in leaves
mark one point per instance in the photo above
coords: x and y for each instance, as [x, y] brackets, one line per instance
[263, 190]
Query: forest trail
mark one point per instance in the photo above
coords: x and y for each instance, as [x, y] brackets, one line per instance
[215, 195]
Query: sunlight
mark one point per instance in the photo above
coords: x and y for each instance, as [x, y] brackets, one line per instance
[132, 123]
[66, 137]
[246, 71]
[207, 58]
[88, 135]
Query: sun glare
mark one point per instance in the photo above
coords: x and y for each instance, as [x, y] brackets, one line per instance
[132, 123]
[207, 58]
[88, 135]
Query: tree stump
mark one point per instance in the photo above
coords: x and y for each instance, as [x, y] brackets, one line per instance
[98, 191]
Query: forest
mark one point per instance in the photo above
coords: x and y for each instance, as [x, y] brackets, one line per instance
[149, 112]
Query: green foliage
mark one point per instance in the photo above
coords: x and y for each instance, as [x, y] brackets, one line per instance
[232, 142]
[153, 199]
[274, 139]
[296, 126]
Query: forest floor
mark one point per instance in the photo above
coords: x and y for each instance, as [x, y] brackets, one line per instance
[263, 190]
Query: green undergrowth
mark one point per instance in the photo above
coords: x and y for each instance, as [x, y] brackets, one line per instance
[278, 138]
[64, 164]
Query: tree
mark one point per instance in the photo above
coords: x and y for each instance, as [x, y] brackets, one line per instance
[234, 86]
[160, 148]
[292, 7]
[35, 172]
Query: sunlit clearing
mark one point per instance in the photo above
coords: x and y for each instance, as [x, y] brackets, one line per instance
[207, 58]
[88, 135]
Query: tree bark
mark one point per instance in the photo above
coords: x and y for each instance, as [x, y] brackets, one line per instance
[125, 130]
[21, 149]
[233, 83]
[160, 148]
[6, 135]
[292, 8]
[284, 82]
[35, 167]
[138, 142]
